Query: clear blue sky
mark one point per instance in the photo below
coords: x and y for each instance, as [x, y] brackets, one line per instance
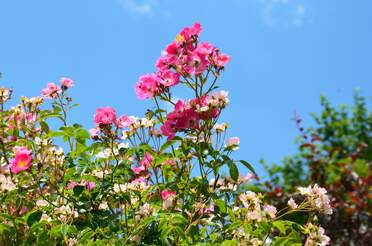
[285, 53]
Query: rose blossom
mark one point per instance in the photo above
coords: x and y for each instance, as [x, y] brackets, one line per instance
[318, 198]
[168, 78]
[270, 210]
[123, 121]
[292, 204]
[71, 185]
[51, 91]
[166, 194]
[144, 164]
[168, 198]
[147, 86]
[94, 132]
[105, 116]
[233, 142]
[90, 185]
[22, 160]
[66, 83]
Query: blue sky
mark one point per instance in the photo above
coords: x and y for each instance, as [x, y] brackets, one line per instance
[285, 53]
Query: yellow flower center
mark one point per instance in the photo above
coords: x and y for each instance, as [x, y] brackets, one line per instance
[22, 163]
[179, 38]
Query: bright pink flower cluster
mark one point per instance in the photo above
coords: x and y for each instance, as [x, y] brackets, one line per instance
[52, 90]
[166, 194]
[183, 57]
[21, 161]
[188, 115]
[144, 164]
[104, 116]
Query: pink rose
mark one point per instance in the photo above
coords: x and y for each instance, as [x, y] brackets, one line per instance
[168, 78]
[21, 161]
[166, 194]
[104, 116]
[94, 132]
[90, 185]
[220, 60]
[23, 210]
[51, 91]
[147, 86]
[123, 121]
[189, 32]
[233, 141]
[71, 185]
[146, 161]
[66, 83]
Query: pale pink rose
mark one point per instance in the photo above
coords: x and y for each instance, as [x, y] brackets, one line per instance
[270, 210]
[51, 91]
[123, 121]
[21, 161]
[233, 142]
[140, 180]
[66, 83]
[318, 198]
[105, 116]
[292, 204]
[247, 178]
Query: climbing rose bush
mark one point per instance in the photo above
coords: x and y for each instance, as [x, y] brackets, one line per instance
[167, 178]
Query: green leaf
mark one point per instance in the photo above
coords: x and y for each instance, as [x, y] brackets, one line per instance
[166, 145]
[234, 172]
[280, 225]
[249, 166]
[221, 205]
[61, 230]
[44, 126]
[78, 190]
[34, 217]
[82, 134]
[86, 234]
[361, 167]
[229, 243]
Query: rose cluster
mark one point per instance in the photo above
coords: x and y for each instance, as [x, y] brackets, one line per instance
[184, 57]
[53, 90]
[188, 115]
[105, 118]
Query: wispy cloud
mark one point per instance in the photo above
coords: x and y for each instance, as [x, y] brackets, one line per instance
[283, 12]
[139, 7]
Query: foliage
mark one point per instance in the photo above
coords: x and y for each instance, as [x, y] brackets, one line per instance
[129, 182]
[336, 154]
